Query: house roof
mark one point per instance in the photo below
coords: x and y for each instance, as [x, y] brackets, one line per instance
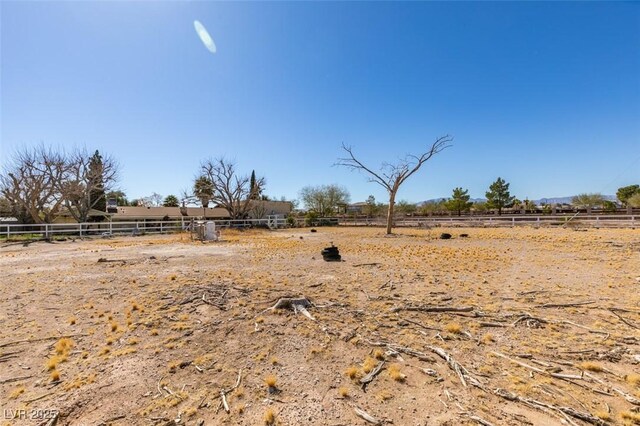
[128, 212]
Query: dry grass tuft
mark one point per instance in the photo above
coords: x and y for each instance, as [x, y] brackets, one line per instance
[454, 328]
[269, 417]
[271, 381]
[63, 346]
[396, 373]
[384, 395]
[55, 376]
[52, 362]
[488, 338]
[590, 366]
[368, 365]
[629, 418]
[343, 391]
[633, 379]
[378, 354]
[17, 392]
[353, 373]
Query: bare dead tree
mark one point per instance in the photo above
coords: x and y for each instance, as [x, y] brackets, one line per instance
[31, 183]
[231, 190]
[258, 209]
[392, 176]
[86, 182]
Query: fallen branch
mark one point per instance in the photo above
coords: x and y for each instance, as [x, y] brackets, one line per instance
[479, 420]
[296, 304]
[624, 320]
[366, 416]
[421, 325]
[38, 398]
[464, 374]
[14, 379]
[539, 370]
[565, 305]
[54, 419]
[625, 395]
[105, 260]
[493, 324]
[224, 392]
[42, 339]
[586, 417]
[372, 374]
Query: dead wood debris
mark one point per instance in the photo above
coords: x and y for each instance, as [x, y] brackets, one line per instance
[586, 417]
[372, 374]
[464, 374]
[14, 379]
[296, 304]
[565, 305]
[621, 318]
[42, 339]
[224, 392]
[366, 416]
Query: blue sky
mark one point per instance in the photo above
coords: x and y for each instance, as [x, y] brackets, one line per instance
[543, 94]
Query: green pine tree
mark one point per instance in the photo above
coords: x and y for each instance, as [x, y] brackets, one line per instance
[95, 180]
[498, 196]
[459, 201]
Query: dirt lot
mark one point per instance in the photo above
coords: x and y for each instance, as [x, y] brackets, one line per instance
[505, 326]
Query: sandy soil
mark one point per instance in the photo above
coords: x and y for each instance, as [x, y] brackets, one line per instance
[152, 335]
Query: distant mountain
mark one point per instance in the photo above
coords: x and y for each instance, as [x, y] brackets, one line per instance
[550, 200]
[567, 200]
[435, 200]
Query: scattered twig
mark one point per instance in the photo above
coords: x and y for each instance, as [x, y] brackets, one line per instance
[38, 398]
[224, 392]
[366, 416]
[295, 304]
[565, 305]
[14, 379]
[372, 374]
[630, 324]
[587, 417]
[41, 339]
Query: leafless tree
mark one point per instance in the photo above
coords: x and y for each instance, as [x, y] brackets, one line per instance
[258, 209]
[86, 181]
[392, 176]
[31, 183]
[231, 190]
[37, 182]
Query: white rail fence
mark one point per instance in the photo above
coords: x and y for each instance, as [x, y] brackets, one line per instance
[596, 221]
[50, 230]
[160, 227]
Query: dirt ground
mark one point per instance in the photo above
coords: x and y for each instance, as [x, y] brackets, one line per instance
[516, 326]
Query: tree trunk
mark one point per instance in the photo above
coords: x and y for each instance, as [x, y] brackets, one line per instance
[392, 201]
